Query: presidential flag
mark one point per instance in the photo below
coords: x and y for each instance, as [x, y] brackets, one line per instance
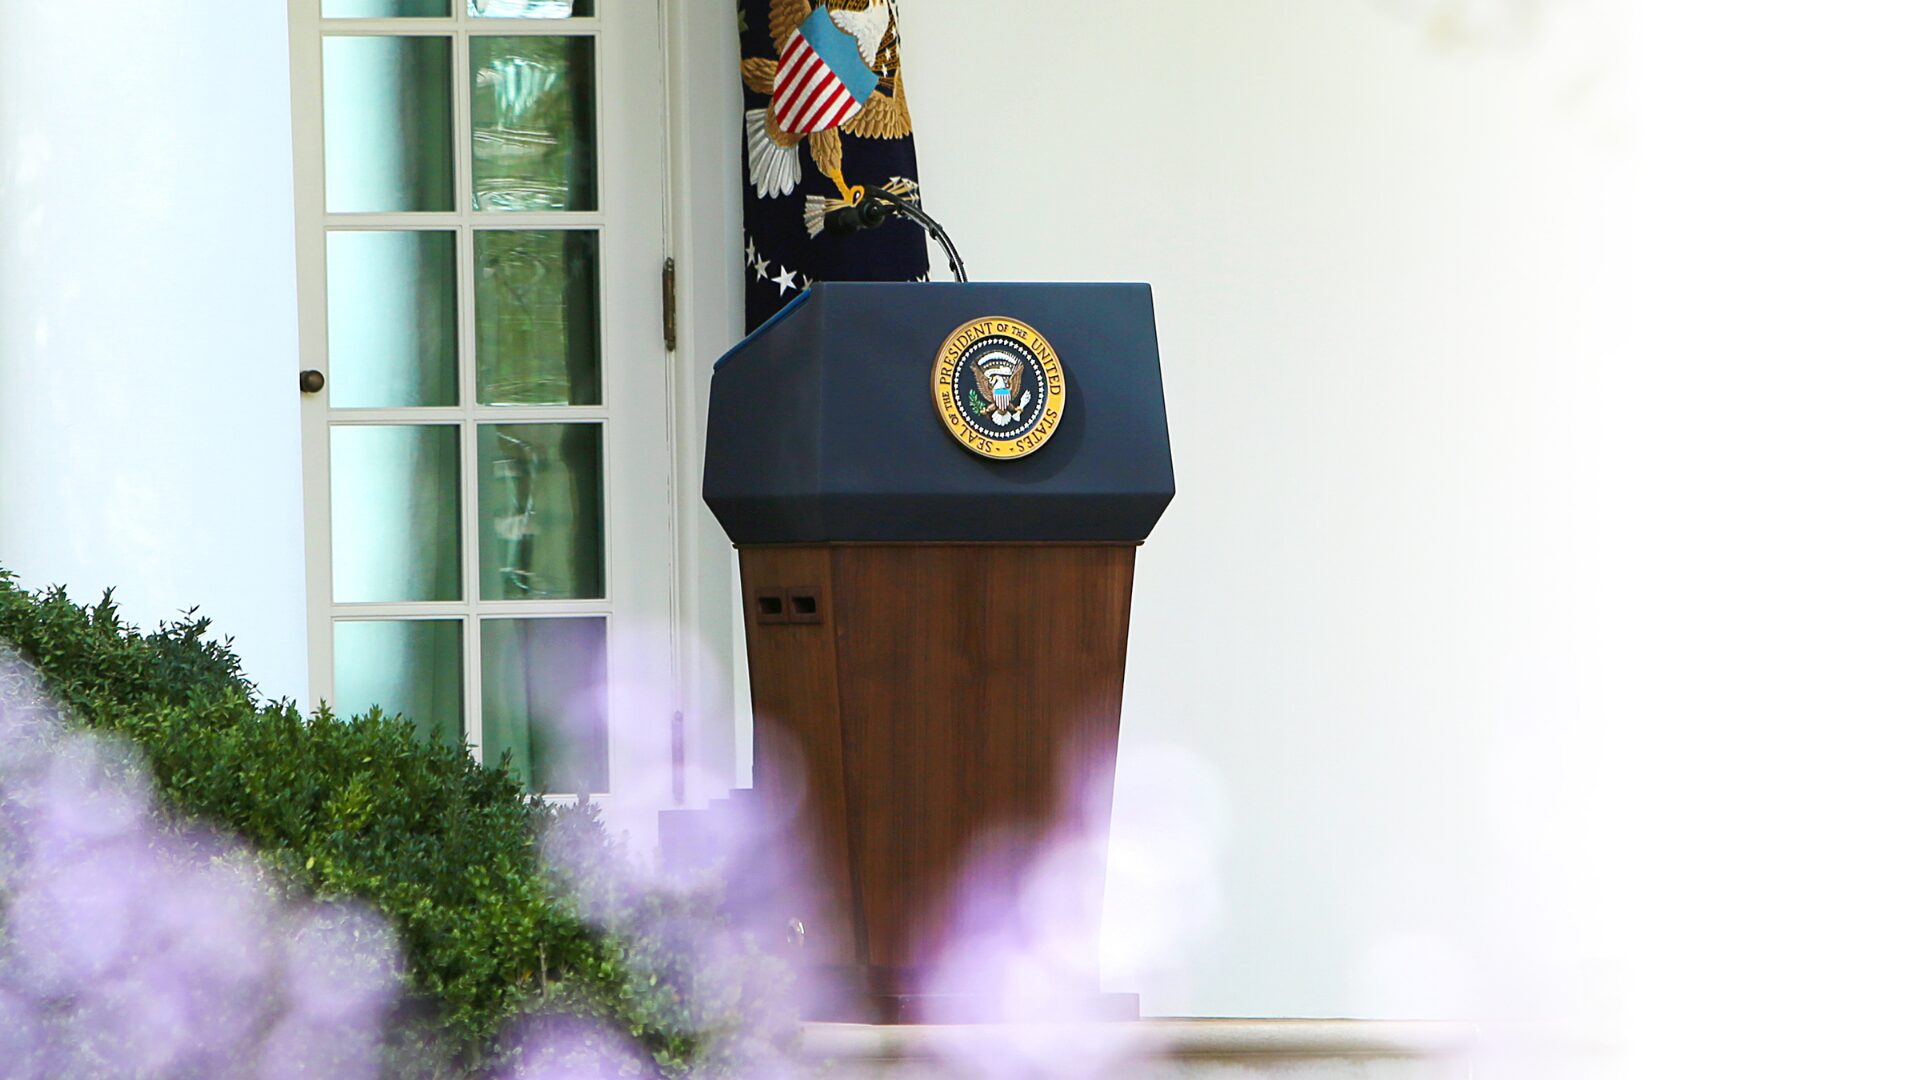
[826, 119]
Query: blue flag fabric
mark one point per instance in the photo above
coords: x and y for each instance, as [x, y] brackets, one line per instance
[826, 118]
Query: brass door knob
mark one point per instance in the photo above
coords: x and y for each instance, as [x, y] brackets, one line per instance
[312, 382]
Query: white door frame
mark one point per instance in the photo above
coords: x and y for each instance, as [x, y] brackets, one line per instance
[703, 65]
[633, 217]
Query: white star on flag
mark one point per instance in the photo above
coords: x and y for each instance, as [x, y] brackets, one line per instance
[784, 280]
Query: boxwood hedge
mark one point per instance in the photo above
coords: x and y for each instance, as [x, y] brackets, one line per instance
[447, 848]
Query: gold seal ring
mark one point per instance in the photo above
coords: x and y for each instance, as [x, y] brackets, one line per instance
[999, 387]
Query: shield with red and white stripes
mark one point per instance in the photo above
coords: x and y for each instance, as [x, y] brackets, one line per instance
[821, 81]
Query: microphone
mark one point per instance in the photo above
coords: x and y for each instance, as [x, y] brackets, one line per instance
[877, 208]
[864, 215]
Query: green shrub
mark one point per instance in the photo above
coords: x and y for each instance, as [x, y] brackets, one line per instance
[446, 848]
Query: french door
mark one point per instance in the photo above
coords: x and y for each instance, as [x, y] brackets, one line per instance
[480, 241]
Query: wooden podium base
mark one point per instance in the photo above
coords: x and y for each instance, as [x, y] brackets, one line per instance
[920, 708]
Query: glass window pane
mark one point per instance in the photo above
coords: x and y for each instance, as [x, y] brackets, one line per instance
[529, 9]
[543, 701]
[389, 123]
[541, 521]
[537, 304]
[533, 123]
[396, 513]
[408, 668]
[392, 335]
[384, 9]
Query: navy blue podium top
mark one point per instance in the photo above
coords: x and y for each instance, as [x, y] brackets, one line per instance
[822, 424]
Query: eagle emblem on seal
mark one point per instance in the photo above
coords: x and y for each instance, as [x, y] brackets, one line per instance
[998, 376]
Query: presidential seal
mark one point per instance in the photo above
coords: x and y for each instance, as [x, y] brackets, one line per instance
[999, 387]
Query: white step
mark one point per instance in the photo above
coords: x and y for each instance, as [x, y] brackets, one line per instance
[1146, 1050]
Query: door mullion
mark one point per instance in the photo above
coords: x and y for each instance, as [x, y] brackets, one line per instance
[462, 127]
[408, 26]
[470, 700]
[387, 612]
[469, 434]
[470, 525]
[348, 221]
[433, 414]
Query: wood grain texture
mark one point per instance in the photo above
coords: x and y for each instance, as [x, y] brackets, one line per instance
[953, 695]
[798, 767]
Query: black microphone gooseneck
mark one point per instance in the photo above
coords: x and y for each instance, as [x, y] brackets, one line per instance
[881, 204]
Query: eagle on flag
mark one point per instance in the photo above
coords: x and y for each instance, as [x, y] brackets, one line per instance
[819, 85]
[826, 117]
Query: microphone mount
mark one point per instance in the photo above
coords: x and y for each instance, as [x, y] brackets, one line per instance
[880, 204]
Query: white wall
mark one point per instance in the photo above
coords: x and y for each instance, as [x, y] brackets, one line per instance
[149, 437]
[1377, 253]
[1539, 594]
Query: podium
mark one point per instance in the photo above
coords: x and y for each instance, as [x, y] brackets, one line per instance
[936, 638]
